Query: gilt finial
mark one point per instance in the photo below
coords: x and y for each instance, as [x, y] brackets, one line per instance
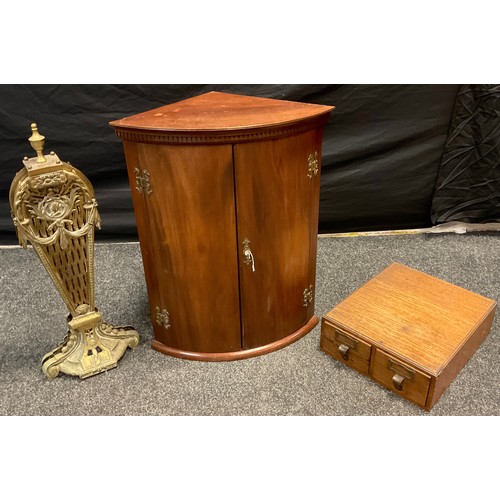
[37, 142]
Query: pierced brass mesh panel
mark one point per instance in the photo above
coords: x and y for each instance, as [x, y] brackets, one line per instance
[70, 265]
[57, 214]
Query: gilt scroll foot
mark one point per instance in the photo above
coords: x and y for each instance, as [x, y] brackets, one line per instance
[90, 352]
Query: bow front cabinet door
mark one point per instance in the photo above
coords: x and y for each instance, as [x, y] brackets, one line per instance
[226, 196]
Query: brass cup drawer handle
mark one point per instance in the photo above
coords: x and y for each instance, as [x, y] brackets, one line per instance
[397, 381]
[401, 373]
[344, 351]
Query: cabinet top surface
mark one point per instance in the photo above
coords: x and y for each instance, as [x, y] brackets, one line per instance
[218, 111]
[422, 318]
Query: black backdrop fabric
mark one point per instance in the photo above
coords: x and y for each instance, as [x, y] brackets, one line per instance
[382, 148]
[468, 185]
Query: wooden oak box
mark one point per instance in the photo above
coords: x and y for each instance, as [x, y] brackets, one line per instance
[408, 331]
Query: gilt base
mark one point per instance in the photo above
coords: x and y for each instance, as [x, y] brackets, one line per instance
[87, 353]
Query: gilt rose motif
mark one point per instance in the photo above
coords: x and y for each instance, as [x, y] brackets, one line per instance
[55, 207]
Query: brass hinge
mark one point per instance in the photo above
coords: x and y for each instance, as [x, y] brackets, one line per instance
[308, 296]
[162, 318]
[143, 181]
[313, 164]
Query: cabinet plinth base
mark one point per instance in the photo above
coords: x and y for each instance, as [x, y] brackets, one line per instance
[243, 354]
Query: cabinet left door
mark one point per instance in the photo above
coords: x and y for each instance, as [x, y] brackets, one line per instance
[186, 223]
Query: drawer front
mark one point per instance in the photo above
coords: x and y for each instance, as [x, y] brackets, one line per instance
[400, 378]
[345, 347]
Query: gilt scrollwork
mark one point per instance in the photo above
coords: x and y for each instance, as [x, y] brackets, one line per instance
[71, 212]
[54, 209]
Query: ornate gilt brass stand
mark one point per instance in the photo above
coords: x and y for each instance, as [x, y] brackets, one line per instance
[54, 209]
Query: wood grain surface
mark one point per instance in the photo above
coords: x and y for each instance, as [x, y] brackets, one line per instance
[191, 216]
[224, 168]
[236, 355]
[421, 331]
[413, 314]
[131, 151]
[415, 387]
[274, 212]
[220, 111]
[358, 356]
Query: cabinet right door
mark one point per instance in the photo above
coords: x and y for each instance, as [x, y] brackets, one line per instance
[277, 197]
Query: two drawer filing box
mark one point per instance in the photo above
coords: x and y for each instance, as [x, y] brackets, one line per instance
[408, 331]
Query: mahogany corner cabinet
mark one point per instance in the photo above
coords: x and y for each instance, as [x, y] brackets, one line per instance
[225, 190]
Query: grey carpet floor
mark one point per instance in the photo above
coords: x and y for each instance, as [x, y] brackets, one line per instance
[298, 380]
